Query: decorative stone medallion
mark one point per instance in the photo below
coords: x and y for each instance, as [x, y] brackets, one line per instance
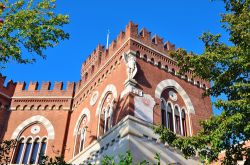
[94, 98]
[172, 95]
[35, 129]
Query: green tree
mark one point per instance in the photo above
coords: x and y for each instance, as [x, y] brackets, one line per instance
[227, 68]
[6, 147]
[29, 25]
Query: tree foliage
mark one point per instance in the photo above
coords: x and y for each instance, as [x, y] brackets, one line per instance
[6, 147]
[227, 67]
[30, 25]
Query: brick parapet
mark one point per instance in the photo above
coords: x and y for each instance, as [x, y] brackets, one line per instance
[154, 47]
[44, 98]
[45, 89]
[8, 90]
[101, 54]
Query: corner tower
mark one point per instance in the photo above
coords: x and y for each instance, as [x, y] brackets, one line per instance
[124, 90]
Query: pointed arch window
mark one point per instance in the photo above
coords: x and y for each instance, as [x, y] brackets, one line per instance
[19, 151]
[184, 126]
[105, 121]
[42, 150]
[163, 114]
[177, 121]
[170, 117]
[34, 152]
[27, 151]
[80, 136]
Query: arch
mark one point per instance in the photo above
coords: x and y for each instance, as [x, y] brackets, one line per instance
[168, 83]
[86, 112]
[38, 118]
[60, 107]
[46, 107]
[53, 107]
[32, 107]
[25, 107]
[39, 107]
[109, 89]
[18, 107]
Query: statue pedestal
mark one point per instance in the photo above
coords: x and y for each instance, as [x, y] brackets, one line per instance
[130, 87]
[130, 83]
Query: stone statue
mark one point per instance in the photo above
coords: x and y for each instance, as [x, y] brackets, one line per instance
[131, 65]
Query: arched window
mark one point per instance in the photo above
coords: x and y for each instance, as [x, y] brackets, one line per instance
[86, 76]
[170, 117]
[173, 71]
[166, 67]
[177, 121]
[81, 134]
[92, 69]
[42, 150]
[184, 127]
[1, 105]
[198, 83]
[106, 114]
[163, 114]
[34, 153]
[137, 53]
[159, 64]
[19, 151]
[152, 60]
[27, 151]
[145, 57]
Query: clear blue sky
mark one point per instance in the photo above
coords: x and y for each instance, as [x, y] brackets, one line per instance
[179, 21]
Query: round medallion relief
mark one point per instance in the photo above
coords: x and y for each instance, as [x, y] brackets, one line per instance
[35, 129]
[94, 98]
[172, 95]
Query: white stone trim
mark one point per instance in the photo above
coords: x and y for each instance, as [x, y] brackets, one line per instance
[38, 118]
[168, 83]
[8, 97]
[120, 138]
[86, 112]
[42, 97]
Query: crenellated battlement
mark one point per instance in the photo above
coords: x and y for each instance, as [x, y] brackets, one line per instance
[101, 54]
[7, 90]
[45, 89]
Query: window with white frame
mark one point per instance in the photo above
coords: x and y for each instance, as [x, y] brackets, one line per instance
[173, 117]
[81, 135]
[29, 150]
[105, 117]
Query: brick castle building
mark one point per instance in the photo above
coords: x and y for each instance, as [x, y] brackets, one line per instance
[123, 90]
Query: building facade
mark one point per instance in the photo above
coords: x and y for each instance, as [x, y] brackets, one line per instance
[123, 91]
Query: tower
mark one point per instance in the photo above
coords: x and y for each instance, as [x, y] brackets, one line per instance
[127, 88]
